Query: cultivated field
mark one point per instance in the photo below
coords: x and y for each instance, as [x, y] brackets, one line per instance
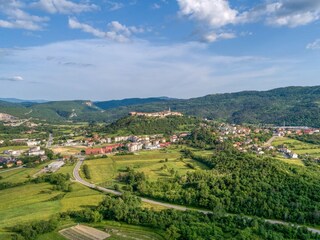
[33, 201]
[21, 174]
[104, 171]
[68, 150]
[81, 232]
[119, 231]
[298, 146]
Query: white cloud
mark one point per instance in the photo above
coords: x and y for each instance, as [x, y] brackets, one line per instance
[140, 69]
[116, 31]
[75, 24]
[314, 45]
[292, 13]
[155, 6]
[114, 5]
[216, 13]
[18, 18]
[64, 6]
[212, 37]
[12, 79]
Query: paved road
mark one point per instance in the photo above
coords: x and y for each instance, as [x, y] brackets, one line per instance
[77, 177]
[11, 169]
[269, 142]
[50, 140]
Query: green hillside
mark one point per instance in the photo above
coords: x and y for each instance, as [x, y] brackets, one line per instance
[290, 105]
[129, 102]
[55, 111]
[145, 125]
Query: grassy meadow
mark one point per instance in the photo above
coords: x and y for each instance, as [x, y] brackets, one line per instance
[298, 147]
[33, 201]
[104, 171]
[20, 174]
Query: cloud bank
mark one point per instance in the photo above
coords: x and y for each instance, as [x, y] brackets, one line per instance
[98, 69]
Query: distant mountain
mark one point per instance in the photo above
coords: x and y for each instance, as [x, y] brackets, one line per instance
[129, 102]
[57, 111]
[290, 105]
[16, 100]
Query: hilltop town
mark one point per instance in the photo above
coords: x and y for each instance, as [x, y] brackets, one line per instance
[156, 114]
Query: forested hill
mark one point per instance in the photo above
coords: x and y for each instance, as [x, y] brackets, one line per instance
[292, 105]
[129, 102]
[143, 125]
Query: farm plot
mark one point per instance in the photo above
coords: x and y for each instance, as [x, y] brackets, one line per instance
[299, 147]
[81, 232]
[155, 164]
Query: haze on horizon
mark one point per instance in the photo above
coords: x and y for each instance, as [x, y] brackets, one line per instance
[102, 50]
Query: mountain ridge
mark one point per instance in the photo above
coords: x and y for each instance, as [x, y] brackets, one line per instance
[293, 105]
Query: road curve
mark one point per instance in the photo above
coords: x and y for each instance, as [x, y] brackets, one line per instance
[77, 177]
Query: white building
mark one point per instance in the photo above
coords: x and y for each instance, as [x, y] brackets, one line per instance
[133, 147]
[53, 167]
[121, 138]
[32, 143]
[293, 155]
[36, 151]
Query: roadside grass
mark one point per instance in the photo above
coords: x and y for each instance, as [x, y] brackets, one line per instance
[80, 198]
[155, 207]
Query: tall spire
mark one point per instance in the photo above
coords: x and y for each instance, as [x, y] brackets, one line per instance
[169, 109]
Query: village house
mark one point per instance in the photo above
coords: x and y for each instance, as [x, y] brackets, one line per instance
[121, 138]
[32, 143]
[157, 114]
[133, 147]
[19, 163]
[102, 150]
[173, 138]
[36, 151]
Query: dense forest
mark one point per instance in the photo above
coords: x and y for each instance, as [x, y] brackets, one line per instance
[240, 183]
[291, 105]
[175, 225]
[147, 125]
[313, 139]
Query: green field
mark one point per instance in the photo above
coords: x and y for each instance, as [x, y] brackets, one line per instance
[13, 148]
[298, 147]
[26, 203]
[21, 174]
[32, 201]
[104, 171]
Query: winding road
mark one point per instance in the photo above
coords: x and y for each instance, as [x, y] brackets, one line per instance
[77, 177]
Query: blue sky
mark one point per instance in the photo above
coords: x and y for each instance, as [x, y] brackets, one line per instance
[112, 49]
